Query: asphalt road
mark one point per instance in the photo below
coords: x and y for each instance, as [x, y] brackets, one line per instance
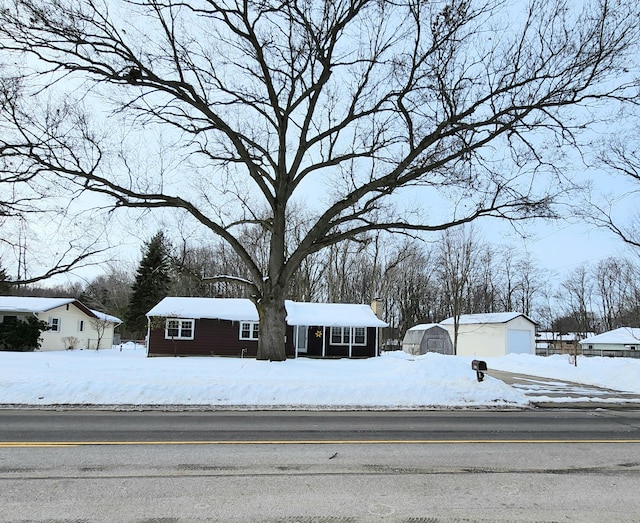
[236, 427]
[416, 467]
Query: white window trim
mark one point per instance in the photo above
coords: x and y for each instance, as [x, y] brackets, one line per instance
[180, 321]
[253, 330]
[353, 333]
[57, 325]
[350, 337]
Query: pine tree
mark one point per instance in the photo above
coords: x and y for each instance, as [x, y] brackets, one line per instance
[151, 284]
[4, 286]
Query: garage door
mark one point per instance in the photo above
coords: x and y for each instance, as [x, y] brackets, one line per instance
[519, 341]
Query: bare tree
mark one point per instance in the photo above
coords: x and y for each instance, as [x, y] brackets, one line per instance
[484, 288]
[618, 155]
[457, 263]
[109, 292]
[576, 292]
[613, 280]
[100, 325]
[409, 290]
[337, 106]
[30, 211]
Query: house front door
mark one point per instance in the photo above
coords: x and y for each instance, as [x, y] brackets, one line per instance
[302, 338]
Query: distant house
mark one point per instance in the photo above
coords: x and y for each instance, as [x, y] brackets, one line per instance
[180, 326]
[493, 334]
[71, 324]
[427, 337]
[608, 343]
[549, 342]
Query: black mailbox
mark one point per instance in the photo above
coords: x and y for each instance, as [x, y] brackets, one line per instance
[480, 367]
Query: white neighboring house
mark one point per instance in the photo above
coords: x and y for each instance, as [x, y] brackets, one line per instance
[623, 338]
[72, 324]
[494, 334]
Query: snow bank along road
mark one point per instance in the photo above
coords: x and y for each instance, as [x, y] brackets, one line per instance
[394, 381]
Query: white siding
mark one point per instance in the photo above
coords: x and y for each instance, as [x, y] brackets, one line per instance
[69, 317]
[494, 339]
[480, 340]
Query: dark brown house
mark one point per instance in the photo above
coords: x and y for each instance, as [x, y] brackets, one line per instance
[229, 327]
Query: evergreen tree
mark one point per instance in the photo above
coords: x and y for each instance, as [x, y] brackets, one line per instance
[4, 286]
[151, 284]
[21, 335]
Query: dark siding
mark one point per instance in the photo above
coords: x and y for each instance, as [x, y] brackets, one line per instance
[211, 338]
[222, 338]
[314, 345]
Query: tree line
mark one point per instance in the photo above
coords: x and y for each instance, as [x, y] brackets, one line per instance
[416, 281]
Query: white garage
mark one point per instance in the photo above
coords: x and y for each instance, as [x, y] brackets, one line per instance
[494, 334]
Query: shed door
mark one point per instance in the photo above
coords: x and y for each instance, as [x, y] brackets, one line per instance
[518, 342]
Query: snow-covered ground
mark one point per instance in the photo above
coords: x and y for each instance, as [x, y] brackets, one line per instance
[395, 380]
[613, 373]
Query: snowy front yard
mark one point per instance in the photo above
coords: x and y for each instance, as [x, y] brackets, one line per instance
[393, 381]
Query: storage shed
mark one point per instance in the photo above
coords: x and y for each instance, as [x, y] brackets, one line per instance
[427, 337]
[493, 334]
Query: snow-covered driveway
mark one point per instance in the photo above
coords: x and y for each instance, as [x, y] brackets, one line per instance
[552, 390]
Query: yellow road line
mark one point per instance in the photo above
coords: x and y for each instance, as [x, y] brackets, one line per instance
[27, 444]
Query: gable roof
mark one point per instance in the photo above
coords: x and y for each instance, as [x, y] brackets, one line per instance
[490, 317]
[620, 336]
[31, 303]
[35, 304]
[332, 314]
[106, 317]
[243, 309]
[234, 309]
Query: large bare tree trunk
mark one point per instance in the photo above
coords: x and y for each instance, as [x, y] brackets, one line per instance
[273, 328]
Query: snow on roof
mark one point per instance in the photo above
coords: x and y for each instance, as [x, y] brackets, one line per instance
[242, 309]
[423, 326]
[620, 336]
[491, 317]
[556, 336]
[234, 309]
[106, 317]
[31, 304]
[332, 315]
[34, 304]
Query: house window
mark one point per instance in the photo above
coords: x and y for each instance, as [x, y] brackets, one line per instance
[179, 329]
[54, 324]
[341, 335]
[249, 330]
[9, 319]
[80, 325]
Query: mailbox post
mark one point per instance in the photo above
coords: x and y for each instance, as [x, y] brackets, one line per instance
[480, 367]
